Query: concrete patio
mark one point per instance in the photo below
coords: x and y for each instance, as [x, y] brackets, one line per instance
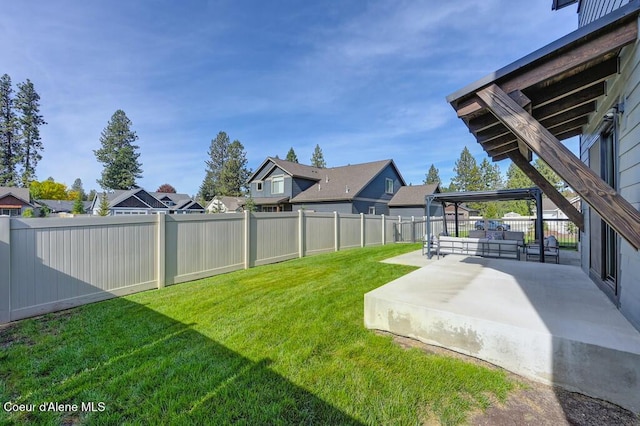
[544, 321]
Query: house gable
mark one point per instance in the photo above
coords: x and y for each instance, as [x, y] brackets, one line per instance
[131, 201]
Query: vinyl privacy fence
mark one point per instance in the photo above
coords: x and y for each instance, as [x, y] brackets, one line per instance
[51, 264]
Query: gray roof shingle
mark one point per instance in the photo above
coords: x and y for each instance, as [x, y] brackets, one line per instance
[413, 195]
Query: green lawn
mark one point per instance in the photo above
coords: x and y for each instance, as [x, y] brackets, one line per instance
[277, 344]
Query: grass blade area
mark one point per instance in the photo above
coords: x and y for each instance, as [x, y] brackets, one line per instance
[278, 344]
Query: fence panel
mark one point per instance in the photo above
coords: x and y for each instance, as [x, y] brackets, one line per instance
[199, 246]
[274, 237]
[319, 233]
[372, 230]
[61, 263]
[349, 231]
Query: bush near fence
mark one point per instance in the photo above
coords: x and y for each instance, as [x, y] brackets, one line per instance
[51, 264]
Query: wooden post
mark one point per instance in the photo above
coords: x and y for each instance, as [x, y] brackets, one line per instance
[361, 229]
[558, 199]
[611, 206]
[5, 269]
[161, 250]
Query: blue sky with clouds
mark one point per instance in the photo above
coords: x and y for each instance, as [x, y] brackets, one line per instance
[366, 80]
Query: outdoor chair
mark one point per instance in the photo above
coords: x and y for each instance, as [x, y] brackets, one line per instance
[434, 246]
[551, 249]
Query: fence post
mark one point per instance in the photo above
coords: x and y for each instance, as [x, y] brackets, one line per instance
[247, 239]
[413, 229]
[361, 229]
[160, 250]
[300, 233]
[5, 269]
[384, 236]
[336, 231]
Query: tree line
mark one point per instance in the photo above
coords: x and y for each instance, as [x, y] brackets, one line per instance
[469, 176]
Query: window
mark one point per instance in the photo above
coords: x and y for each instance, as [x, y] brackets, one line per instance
[372, 209]
[258, 186]
[277, 185]
[388, 188]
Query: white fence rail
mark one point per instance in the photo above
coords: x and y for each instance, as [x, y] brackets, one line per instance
[51, 264]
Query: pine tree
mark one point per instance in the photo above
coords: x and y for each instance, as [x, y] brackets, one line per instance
[317, 159]
[433, 176]
[234, 174]
[218, 153]
[9, 141]
[517, 179]
[118, 154]
[103, 208]
[78, 204]
[77, 188]
[491, 178]
[291, 156]
[30, 120]
[467, 172]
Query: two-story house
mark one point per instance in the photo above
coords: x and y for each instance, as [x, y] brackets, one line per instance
[279, 185]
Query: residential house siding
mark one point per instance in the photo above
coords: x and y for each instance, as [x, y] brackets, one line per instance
[590, 10]
[417, 211]
[623, 88]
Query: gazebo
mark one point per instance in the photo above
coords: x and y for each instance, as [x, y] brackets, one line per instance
[456, 198]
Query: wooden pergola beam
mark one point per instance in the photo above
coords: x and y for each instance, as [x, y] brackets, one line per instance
[610, 205]
[558, 199]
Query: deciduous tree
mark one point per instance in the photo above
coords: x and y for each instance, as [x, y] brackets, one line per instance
[118, 154]
[48, 190]
[166, 188]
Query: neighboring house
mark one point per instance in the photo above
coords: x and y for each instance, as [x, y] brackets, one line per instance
[225, 204]
[464, 212]
[279, 185]
[583, 84]
[14, 201]
[63, 206]
[552, 211]
[138, 201]
[411, 200]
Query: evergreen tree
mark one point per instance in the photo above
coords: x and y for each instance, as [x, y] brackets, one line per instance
[317, 159]
[433, 176]
[9, 141]
[234, 174]
[467, 172]
[92, 194]
[30, 120]
[78, 189]
[291, 156]
[118, 154]
[103, 208]
[517, 179]
[78, 204]
[549, 174]
[491, 178]
[218, 154]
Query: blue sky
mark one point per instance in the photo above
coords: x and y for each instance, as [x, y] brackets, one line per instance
[366, 80]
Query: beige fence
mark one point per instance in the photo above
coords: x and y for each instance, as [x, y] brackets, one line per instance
[51, 264]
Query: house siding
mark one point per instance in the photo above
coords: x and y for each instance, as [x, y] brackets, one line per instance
[376, 188]
[624, 87]
[416, 211]
[300, 185]
[590, 10]
[343, 208]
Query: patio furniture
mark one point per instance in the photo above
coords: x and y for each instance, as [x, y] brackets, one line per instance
[485, 247]
[430, 247]
[551, 249]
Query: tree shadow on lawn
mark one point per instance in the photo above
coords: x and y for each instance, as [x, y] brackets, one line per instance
[146, 368]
